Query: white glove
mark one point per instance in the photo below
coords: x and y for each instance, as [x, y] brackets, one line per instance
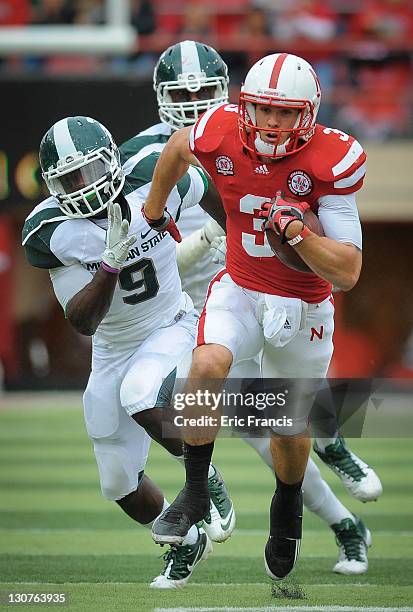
[117, 240]
[218, 250]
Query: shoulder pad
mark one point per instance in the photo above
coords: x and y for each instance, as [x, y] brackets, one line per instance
[44, 213]
[210, 129]
[139, 171]
[37, 232]
[141, 145]
[338, 158]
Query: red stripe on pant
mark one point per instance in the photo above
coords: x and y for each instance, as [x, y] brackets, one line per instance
[201, 326]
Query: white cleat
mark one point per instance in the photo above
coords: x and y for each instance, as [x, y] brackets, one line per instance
[353, 540]
[360, 480]
[220, 521]
[180, 562]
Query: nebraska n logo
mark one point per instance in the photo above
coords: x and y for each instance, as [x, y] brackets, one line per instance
[319, 334]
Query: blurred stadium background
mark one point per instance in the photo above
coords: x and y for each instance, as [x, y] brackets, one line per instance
[96, 57]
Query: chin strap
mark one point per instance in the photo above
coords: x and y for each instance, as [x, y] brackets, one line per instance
[267, 148]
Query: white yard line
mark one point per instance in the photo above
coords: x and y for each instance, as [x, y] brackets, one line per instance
[200, 584]
[240, 532]
[40, 399]
[263, 532]
[42, 553]
[289, 608]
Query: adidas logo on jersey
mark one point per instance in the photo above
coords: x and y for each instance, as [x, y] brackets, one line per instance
[261, 170]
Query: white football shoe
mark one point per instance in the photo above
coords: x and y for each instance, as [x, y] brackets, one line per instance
[180, 562]
[353, 540]
[360, 480]
[220, 521]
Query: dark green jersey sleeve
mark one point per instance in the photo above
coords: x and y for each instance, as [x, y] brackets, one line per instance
[36, 235]
[141, 145]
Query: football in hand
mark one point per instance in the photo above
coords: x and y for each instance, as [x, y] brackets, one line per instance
[285, 252]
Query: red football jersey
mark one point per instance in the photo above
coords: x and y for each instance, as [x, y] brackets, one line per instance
[332, 162]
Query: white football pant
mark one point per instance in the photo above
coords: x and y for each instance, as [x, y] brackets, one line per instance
[123, 383]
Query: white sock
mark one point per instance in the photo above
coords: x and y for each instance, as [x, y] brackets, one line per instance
[322, 443]
[211, 469]
[320, 499]
[192, 535]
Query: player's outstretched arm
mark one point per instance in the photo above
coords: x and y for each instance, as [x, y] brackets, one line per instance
[172, 164]
[89, 306]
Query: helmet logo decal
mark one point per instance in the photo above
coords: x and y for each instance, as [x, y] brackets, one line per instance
[224, 165]
[300, 183]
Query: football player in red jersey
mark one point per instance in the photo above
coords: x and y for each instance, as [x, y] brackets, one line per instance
[269, 144]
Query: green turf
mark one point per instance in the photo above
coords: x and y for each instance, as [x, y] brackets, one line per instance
[57, 534]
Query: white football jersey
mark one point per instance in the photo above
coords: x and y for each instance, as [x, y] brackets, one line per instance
[148, 294]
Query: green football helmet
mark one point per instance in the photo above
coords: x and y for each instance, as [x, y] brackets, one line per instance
[81, 166]
[185, 68]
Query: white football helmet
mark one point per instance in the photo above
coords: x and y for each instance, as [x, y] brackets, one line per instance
[280, 79]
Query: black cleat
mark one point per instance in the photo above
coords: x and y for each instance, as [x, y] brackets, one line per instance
[283, 545]
[175, 522]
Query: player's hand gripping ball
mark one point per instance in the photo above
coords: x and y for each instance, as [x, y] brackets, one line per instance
[277, 215]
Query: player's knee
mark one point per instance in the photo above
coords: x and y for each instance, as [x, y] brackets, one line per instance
[147, 385]
[129, 500]
[116, 473]
[283, 439]
[211, 361]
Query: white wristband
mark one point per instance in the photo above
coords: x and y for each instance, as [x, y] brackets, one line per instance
[303, 234]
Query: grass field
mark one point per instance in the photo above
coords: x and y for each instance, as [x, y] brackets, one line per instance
[57, 534]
